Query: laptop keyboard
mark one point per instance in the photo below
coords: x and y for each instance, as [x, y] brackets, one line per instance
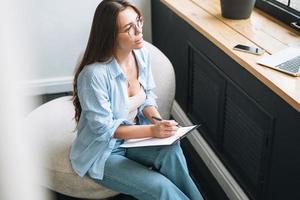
[292, 65]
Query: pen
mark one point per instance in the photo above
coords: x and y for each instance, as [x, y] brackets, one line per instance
[159, 119]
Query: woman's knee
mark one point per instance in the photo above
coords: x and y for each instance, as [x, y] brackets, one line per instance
[171, 156]
[171, 150]
[163, 188]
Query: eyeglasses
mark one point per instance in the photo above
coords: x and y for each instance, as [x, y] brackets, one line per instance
[134, 29]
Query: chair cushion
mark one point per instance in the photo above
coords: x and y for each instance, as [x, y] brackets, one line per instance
[52, 127]
[164, 77]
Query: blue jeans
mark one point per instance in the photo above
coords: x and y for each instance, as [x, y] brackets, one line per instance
[129, 171]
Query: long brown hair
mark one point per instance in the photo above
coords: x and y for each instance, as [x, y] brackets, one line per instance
[102, 40]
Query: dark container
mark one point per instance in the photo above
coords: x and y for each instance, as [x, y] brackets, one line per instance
[237, 9]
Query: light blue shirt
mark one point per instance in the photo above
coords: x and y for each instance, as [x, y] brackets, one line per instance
[102, 92]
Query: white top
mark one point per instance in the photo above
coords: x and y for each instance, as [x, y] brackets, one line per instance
[135, 102]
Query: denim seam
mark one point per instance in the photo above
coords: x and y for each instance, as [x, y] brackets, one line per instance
[160, 155]
[156, 162]
[126, 184]
[150, 159]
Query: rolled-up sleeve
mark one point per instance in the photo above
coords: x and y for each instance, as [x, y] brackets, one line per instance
[95, 102]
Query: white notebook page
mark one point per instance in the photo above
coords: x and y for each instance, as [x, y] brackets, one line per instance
[157, 141]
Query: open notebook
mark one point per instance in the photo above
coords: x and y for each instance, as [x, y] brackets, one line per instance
[286, 60]
[141, 142]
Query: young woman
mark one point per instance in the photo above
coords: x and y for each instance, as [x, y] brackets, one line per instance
[113, 101]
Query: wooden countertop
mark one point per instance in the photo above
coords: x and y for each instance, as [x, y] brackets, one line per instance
[259, 30]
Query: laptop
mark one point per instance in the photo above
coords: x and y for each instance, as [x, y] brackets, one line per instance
[286, 60]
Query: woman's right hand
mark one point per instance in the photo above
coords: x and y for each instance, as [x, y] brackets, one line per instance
[164, 128]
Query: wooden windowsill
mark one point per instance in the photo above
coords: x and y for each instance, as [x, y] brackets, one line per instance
[259, 30]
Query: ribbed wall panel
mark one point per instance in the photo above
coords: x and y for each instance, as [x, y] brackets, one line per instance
[246, 129]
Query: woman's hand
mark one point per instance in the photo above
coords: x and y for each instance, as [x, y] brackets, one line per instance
[164, 128]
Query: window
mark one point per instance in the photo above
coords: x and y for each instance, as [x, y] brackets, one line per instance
[287, 11]
[294, 4]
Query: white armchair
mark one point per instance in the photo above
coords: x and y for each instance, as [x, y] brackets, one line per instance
[52, 124]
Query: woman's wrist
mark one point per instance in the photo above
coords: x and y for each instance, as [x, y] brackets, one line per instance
[152, 130]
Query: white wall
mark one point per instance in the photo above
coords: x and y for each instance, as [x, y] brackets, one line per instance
[19, 174]
[60, 30]
[145, 7]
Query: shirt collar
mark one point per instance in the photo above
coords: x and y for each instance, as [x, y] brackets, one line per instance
[141, 62]
[116, 70]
